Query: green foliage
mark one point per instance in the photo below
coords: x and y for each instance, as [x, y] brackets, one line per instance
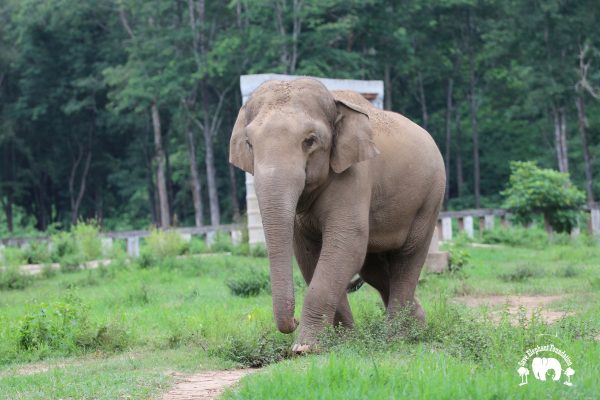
[458, 258]
[161, 244]
[11, 278]
[516, 236]
[197, 246]
[65, 326]
[521, 274]
[37, 253]
[87, 238]
[12, 257]
[249, 283]
[222, 243]
[254, 350]
[536, 190]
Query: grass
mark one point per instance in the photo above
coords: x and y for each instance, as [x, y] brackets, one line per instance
[179, 315]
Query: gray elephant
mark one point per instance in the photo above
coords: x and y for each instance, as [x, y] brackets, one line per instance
[348, 188]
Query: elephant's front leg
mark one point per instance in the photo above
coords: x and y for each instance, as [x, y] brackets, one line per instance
[342, 255]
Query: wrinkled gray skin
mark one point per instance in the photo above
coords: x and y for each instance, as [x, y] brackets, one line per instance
[348, 188]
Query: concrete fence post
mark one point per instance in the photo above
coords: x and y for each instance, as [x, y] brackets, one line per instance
[133, 246]
[187, 237]
[488, 222]
[107, 245]
[595, 221]
[468, 226]
[211, 236]
[236, 237]
[446, 228]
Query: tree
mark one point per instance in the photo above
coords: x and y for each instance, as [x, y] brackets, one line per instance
[535, 190]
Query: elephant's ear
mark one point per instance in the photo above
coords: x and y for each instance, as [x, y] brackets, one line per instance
[353, 137]
[240, 153]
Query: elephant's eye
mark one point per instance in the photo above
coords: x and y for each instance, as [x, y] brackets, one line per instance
[309, 141]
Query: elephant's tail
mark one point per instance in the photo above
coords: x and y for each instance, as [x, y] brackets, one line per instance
[355, 284]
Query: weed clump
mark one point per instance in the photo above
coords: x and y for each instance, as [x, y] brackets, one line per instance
[254, 350]
[64, 326]
[13, 279]
[250, 283]
[516, 236]
[521, 274]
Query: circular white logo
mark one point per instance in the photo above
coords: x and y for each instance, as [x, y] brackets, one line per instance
[546, 368]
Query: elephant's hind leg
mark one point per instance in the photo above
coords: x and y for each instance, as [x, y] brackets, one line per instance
[375, 272]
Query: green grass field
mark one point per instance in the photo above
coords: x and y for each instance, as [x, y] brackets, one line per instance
[122, 331]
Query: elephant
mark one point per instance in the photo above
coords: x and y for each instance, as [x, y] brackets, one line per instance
[348, 189]
[541, 365]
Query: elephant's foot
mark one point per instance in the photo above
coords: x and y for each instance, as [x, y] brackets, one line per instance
[300, 349]
[306, 342]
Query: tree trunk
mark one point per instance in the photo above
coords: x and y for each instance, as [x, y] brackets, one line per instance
[195, 183]
[448, 149]
[234, 197]
[161, 178]
[560, 138]
[387, 81]
[77, 198]
[475, 137]
[460, 181]
[423, 100]
[589, 179]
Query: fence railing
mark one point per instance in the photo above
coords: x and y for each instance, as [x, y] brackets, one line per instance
[132, 238]
[487, 216]
[466, 219]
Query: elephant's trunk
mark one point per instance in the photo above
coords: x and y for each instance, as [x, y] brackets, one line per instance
[278, 194]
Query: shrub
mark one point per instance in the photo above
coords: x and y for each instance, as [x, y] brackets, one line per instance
[197, 246]
[62, 244]
[11, 278]
[519, 275]
[534, 190]
[458, 258]
[36, 253]
[12, 257]
[222, 243]
[259, 251]
[87, 239]
[65, 326]
[250, 283]
[516, 236]
[164, 244]
[254, 350]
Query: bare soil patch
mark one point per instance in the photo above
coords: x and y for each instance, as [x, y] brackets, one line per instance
[205, 385]
[539, 305]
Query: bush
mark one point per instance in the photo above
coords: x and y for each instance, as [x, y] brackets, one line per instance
[164, 244]
[534, 190]
[250, 283]
[87, 239]
[65, 326]
[63, 244]
[37, 253]
[259, 251]
[12, 257]
[519, 275]
[197, 246]
[13, 279]
[222, 243]
[254, 350]
[516, 236]
[458, 258]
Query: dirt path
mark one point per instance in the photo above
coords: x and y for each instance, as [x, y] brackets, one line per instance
[205, 385]
[530, 304]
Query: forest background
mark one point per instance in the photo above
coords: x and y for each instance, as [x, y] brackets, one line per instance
[121, 110]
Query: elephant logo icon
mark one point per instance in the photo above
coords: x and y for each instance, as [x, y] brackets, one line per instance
[546, 368]
[541, 365]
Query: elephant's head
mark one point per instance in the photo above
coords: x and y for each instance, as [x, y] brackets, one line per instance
[292, 136]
